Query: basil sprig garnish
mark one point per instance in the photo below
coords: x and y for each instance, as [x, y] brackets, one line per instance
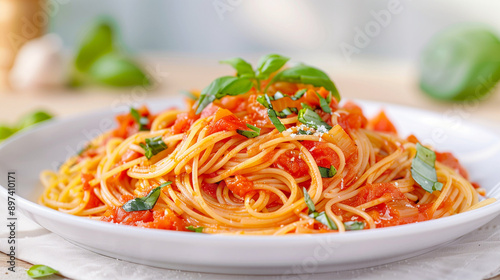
[221, 87]
[327, 172]
[145, 203]
[423, 169]
[320, 217]
[312, 119]
[243, 68]
[354, 225]
[39, 270]
[254, 132]
[304, 74]
[269, 64]
[140, 120]
[153, 146]
[195, 229]
[274, 119]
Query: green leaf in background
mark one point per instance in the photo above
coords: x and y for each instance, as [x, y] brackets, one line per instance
[461, 63]
[38, 270]
[117, 70]
[221, 87]
[269, 64]
[98, 41]
[243, 68]
[6, 132]
[33, 118]
[423, 169]
[307, 75]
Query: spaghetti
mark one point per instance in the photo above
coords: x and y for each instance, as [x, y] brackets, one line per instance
[280, 157]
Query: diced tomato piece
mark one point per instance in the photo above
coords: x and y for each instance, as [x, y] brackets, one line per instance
[165, 220]
[382, 123]
[130, 155]
[94, 200]
[86, 178]
[412, 138]
[224, 120]
[239, 185]
[119, 216]
[323, 155]
[451, 161]
[210, 189]
[234, 103]
[184, 122]
[374, 191]
[209, 111]
[291, 162]
[128, 126]
[256, 113]
[352, 121]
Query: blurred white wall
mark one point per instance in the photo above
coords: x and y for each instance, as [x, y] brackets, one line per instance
[245, 26]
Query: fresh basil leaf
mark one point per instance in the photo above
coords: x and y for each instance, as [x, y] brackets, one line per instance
[97, 42]
[269, 64]
[309, 202]
[354, 225]
[324, 219]
[195, 229]
[304, 74]
[423, 169]
[249, 134]
[274, 119]
[153, 146]
[243, 68]
[221, 87]
[324, 104]
[117, 70]
[145, 203]
[311, 119]
[140, 120]
[327, 172]
[39, 270]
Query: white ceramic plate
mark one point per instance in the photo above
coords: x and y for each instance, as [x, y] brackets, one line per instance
[47, 145]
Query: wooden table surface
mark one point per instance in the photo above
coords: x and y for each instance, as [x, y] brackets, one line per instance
[391, 82]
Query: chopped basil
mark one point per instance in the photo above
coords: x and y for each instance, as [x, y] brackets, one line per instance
[221, 87]
[324, 104]
[243, 68]
[327, 172]
[279, 95]
[306, 106]
[39, 270]
[423, 169]
[354, 225]
[249, 134]
[153, 146]
[304, 132]
[145, 203]
[140, 120]
[274, 119]
[324, 219]
[269, 64]
[311, 119]
[299, 94]
[195, 229]
[265, 100]
[320, 217]
[309, 202]
[306, 75]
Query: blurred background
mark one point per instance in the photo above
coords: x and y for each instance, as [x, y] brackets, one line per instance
[371, 49]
